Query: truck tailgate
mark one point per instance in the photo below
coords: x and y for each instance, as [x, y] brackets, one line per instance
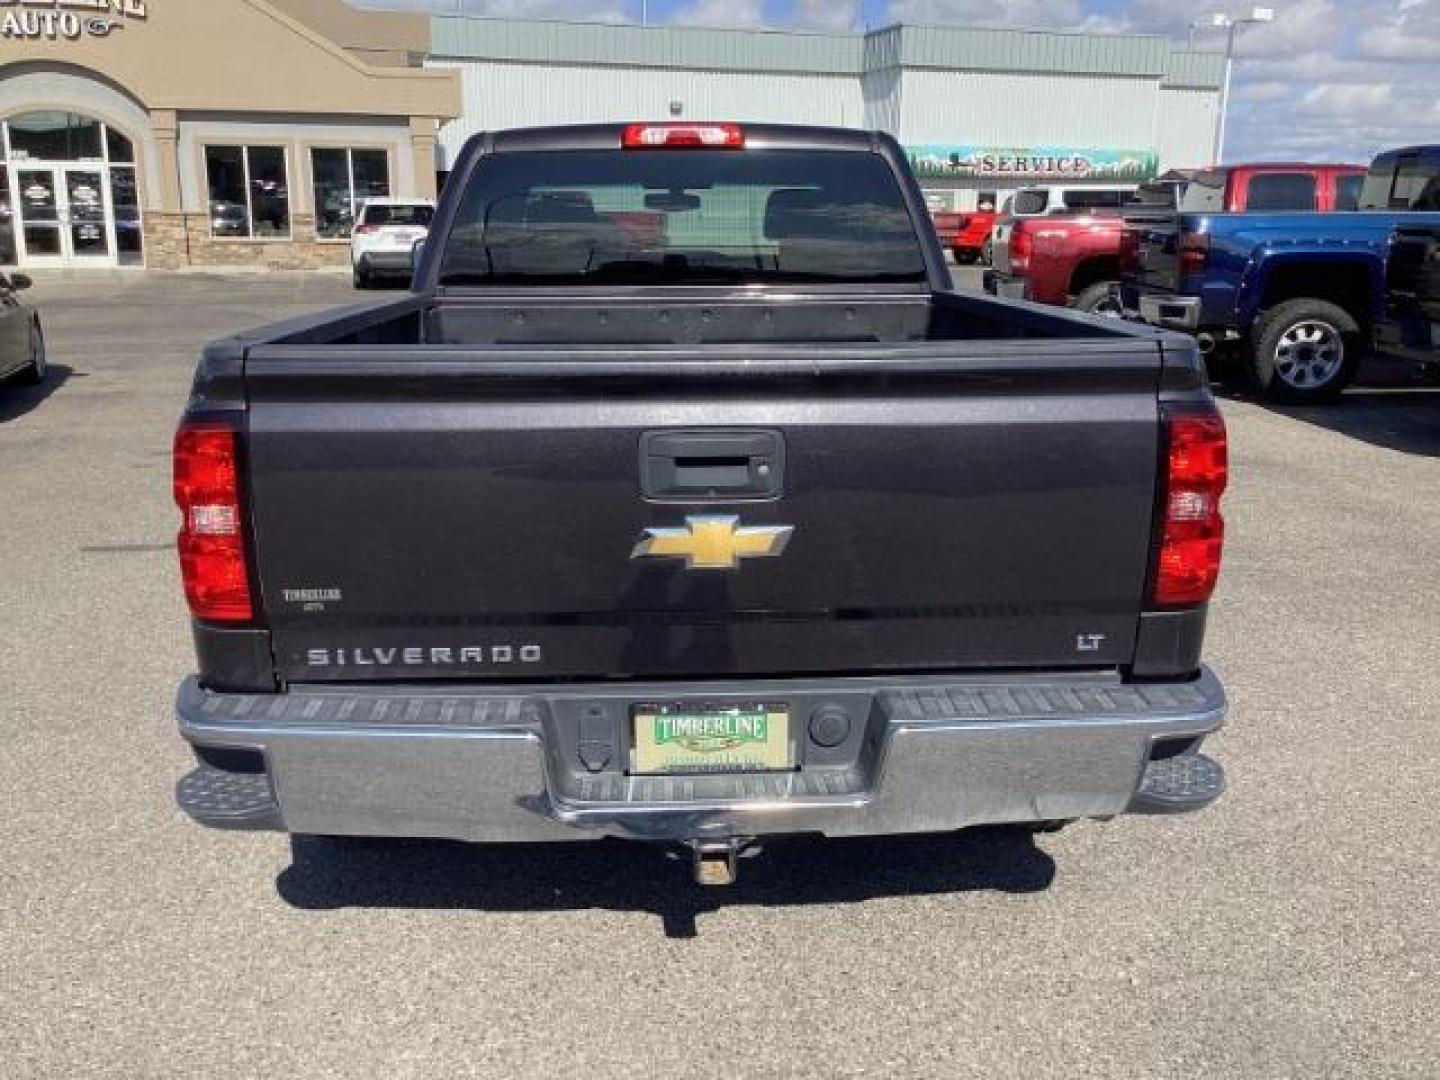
[1155, 235]
[481, 513]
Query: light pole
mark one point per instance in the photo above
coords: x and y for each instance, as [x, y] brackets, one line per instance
[1229, 24]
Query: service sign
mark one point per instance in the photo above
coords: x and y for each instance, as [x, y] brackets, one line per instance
[1033, 162]
[67, 20]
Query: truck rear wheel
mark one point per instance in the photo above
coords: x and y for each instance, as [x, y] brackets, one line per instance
[1304, 350]
[1098, 299]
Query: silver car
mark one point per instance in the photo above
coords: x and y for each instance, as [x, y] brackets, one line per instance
[22, 342]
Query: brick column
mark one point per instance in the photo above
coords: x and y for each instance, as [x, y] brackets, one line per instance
[166, 243]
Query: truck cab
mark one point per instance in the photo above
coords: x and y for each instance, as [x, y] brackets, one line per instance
[1273, 187]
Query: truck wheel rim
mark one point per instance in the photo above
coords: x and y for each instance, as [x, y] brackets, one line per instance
[1109, 307]
[1309, 354]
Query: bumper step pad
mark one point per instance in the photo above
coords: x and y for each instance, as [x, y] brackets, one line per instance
[1179, 785]
[228, 800]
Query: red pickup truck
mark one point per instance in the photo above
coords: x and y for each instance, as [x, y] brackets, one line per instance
[964, 234]
[1075, 258]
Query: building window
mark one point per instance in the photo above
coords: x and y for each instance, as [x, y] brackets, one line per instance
[55, 136]
[125, 205]
[8, 255]
[118, 148]
[344, 179]
[249, 192]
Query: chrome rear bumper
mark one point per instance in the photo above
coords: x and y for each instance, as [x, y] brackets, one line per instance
[480, 765]
[1171, 312]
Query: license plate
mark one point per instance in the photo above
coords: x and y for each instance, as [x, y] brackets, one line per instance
[711, 738]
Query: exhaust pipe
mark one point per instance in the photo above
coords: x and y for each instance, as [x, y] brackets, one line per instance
[1206, 343]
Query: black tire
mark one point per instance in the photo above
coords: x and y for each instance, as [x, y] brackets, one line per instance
[1304, 350]
[965, 256]
[987, 253]
[34, 373]
[1097, 299]
[360, 278]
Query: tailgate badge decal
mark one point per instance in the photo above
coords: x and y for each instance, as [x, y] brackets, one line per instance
[713, 542]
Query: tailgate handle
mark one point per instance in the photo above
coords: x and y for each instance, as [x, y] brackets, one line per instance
[719, 466]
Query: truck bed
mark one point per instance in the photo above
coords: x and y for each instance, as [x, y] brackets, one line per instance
[702, 317]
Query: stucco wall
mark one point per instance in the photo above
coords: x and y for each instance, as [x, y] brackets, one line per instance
[241, 56]
[376, 37]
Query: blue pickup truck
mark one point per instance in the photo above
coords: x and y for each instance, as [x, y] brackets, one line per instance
[1291, 300]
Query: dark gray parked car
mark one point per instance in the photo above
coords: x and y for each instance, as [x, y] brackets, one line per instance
[22, 342]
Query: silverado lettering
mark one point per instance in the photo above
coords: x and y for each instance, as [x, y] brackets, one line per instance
[418, 656]
[634, 359]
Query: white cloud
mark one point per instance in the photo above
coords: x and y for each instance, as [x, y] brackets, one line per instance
[1411, 32]
[1060, 14]
[1264, 91]
[721, 13]
[832, 15]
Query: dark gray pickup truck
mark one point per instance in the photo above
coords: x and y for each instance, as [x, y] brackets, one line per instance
[683, 500]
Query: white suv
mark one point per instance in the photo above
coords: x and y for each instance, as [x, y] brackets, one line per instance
[383, 241]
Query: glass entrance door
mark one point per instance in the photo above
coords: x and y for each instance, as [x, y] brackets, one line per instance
[65, 216]
[37, 197]
[89, 224]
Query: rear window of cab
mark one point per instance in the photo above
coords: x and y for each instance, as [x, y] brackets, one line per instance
[681, 217]
[418, 214]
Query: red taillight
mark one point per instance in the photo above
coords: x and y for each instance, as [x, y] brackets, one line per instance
[363, 229]
[1194, 252]
[211, 540]
[1022, 243]
[1192, 532]
[683, 136]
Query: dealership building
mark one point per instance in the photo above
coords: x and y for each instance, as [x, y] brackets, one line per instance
[185, 133]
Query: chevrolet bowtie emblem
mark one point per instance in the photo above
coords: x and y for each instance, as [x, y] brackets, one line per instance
[713, 542]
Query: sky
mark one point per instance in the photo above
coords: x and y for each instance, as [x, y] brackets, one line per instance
[1328, 80]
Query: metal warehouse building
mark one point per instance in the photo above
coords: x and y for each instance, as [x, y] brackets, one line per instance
[980, 111]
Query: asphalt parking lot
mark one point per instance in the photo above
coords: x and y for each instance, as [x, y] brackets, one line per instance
[1291, 931]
